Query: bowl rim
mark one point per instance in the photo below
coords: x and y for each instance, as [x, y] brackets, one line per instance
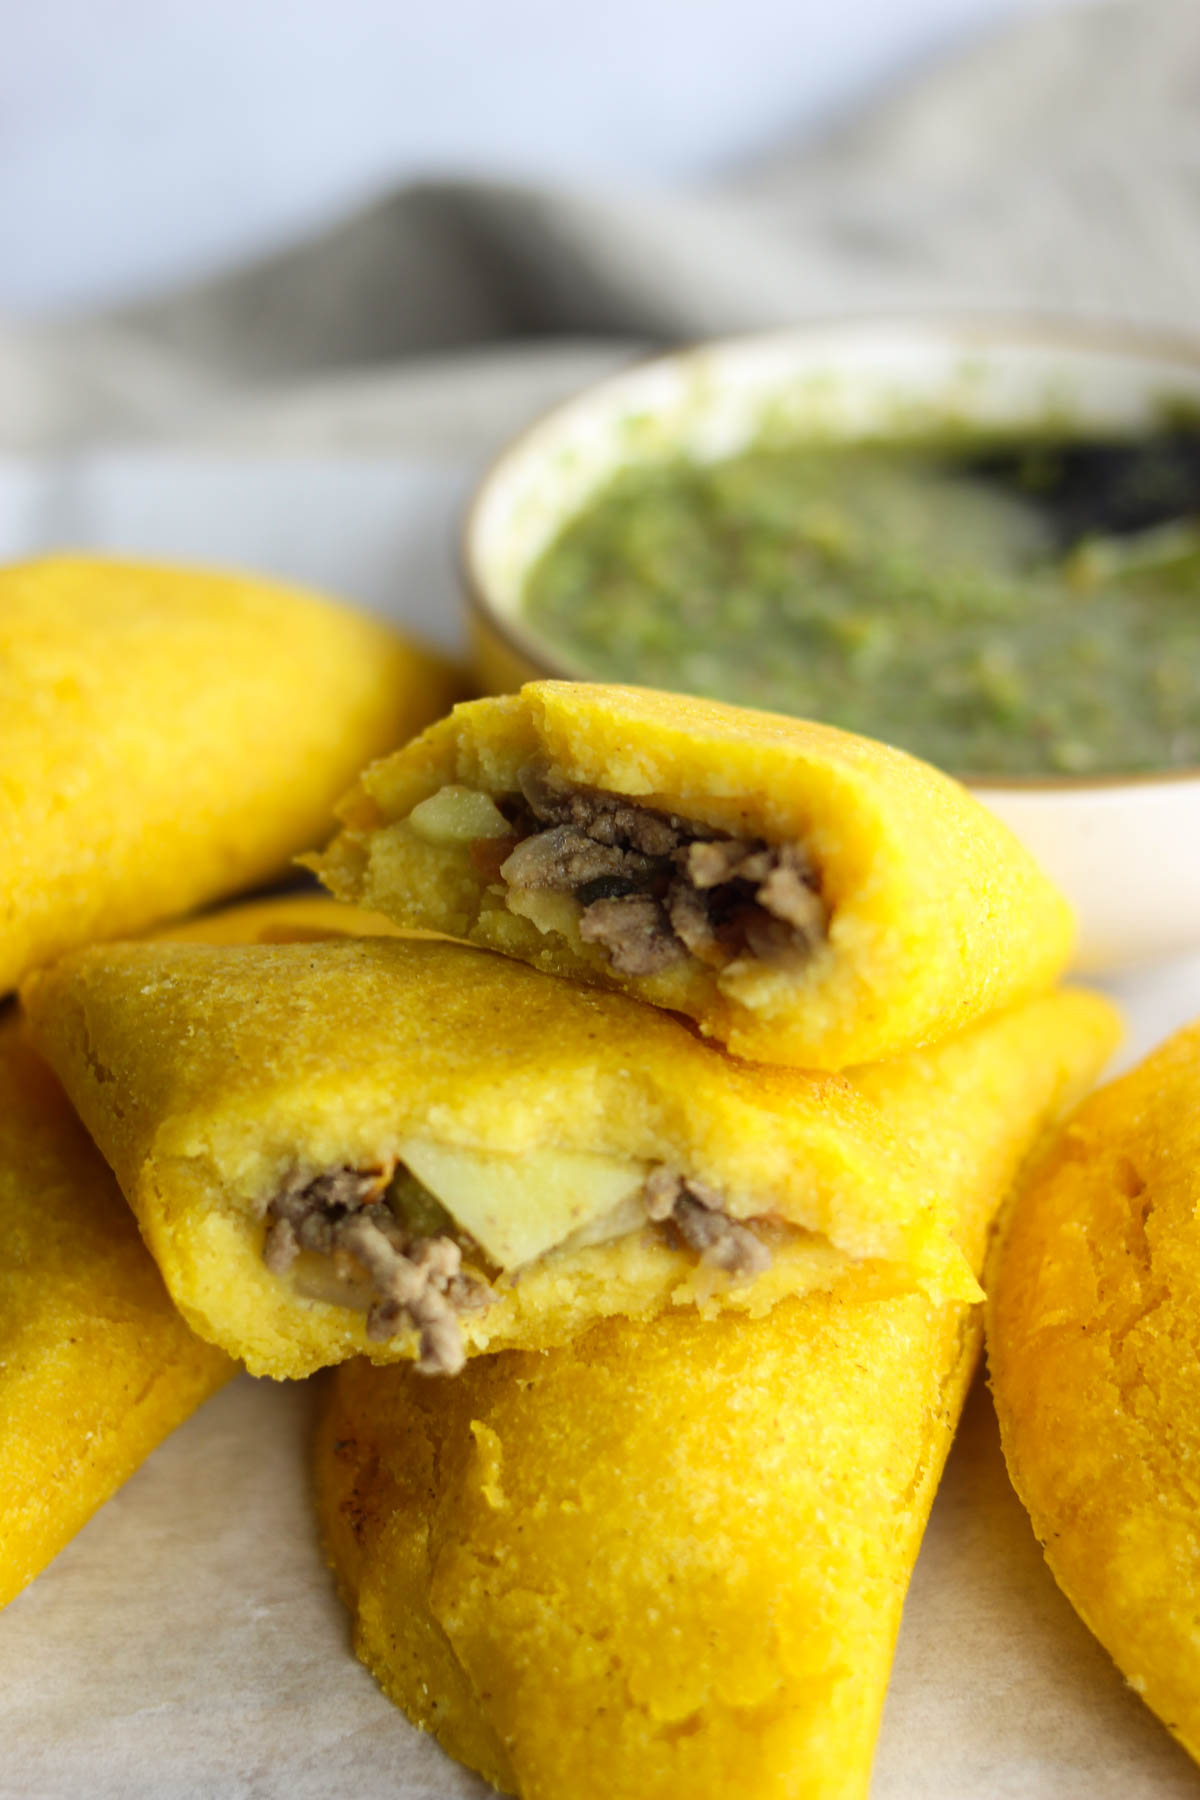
[1002, 329]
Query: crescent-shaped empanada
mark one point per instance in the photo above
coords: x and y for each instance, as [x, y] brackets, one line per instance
[667, 1560]
[1094, 1347]
[413, 1147]
[806, 896]
[169, 736]
[96, 1365]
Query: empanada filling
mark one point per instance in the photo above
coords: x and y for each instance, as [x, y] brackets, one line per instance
[409, 1277]
[651, 888]
[393, 1248]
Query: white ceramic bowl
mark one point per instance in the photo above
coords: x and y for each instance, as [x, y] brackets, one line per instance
[1126, 850]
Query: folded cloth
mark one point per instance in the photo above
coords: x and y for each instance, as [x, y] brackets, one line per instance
[1050, 168]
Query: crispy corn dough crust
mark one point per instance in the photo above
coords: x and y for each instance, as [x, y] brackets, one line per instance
[938, 915]
[207, 1075]
[96, 1366]
[669, 1560]
[1093, 1330]
[168, 736]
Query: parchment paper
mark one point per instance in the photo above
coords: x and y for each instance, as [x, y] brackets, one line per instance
[189, 1641]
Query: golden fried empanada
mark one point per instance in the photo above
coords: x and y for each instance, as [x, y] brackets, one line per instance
[670, 1558]
[1094, 1346]
[168, 736]
[808, 897]
[96, 1365]
[408, 1146]
[667, 1560]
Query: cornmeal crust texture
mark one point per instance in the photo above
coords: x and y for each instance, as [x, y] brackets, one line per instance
[222, 1082]
[168, 736]
[671, 1557]
[808, 897]
[669, 1560]
[1093, 1327]
[96, 1365]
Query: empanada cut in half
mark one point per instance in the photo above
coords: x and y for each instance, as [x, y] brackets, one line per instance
[169, 736]
[96, 1365]
[416, 1148]
[806, 896]
[1094, 1347]
[670, 1557]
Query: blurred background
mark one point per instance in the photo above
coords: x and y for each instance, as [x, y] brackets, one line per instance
[147, 141]
[279, 276]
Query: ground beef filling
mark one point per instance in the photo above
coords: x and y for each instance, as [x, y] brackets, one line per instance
[418, 1281]
[694, 1211]
[654, 889]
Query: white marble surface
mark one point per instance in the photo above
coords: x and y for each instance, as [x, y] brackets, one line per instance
[189, 1643]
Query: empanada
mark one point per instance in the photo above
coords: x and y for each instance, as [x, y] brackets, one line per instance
[667, 1560]
[408, 1146]
[168, 736]
[670, 1558]
[808, 897]
[1094, 1347]
[96, 1365]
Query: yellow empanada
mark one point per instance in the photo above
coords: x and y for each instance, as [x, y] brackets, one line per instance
[168, 736]
[366, 1143]
[96, 1365]
[808, 897]
[670, 1558]
[1094, 1346]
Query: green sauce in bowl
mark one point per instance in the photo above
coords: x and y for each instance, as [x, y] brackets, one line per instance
[998, 608]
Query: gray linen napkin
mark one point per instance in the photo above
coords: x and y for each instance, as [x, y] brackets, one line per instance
[1055, 167]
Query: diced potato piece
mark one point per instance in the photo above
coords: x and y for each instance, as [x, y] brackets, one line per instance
[458, 815]
[518, 1207]
[547, 910]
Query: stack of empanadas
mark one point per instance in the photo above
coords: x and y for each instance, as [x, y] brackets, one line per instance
[651, 1126]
